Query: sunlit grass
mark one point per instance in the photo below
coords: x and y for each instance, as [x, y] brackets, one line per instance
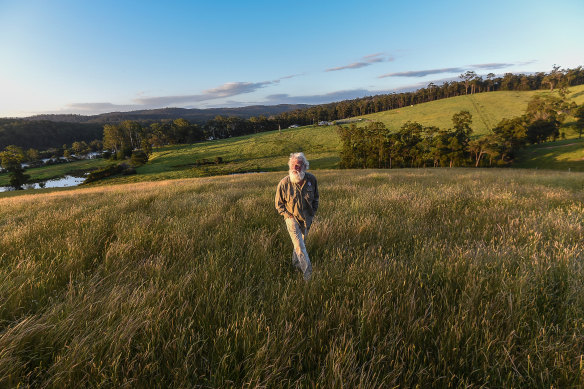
[262, 152]
[438, 277]
[561, 155]
[487, 110]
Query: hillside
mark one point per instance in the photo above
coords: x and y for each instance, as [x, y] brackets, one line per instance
[268, 151]
[487, 109]
[194, 115]
[44, 134]
[433, 277]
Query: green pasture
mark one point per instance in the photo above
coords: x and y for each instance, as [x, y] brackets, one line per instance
[422, 278]
[487, 110]
[565, 154]
[261, 152]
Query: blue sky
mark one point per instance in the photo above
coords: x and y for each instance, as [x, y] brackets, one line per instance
[87, 57]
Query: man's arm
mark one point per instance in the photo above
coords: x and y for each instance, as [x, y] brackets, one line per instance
[280, 202]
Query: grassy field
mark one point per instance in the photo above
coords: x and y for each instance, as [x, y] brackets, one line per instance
[262, 152]
[566, 154]
[487, 110]
[430, 277]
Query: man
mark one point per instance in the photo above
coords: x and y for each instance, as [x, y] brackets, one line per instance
[297, 201]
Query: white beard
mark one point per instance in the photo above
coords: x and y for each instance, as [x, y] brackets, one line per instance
[295, 176]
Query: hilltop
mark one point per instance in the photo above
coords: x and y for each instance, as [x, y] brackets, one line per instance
[192, 114]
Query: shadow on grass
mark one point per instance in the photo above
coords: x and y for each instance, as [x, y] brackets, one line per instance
[566, 154]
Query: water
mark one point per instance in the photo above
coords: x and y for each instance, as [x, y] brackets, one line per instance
[66, 181]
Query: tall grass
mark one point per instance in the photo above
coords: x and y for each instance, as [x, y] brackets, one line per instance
[462, 278]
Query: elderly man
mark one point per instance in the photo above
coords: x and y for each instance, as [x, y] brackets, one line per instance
[297, 201]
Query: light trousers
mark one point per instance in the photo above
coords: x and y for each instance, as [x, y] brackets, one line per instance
[299, 255]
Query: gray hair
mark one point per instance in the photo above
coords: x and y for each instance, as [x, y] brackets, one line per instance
[301, 157]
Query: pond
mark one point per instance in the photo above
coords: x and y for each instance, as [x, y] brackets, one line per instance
[57, 183]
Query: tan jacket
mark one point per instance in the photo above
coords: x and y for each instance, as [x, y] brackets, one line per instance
[301, 202]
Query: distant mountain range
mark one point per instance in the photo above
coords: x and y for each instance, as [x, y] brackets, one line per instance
[152, 115]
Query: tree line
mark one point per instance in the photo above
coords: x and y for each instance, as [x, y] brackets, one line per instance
[229, 126]
[469, 83]
[44, 134]
[415, 145]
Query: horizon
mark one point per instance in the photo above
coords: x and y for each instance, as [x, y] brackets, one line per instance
[75, 58]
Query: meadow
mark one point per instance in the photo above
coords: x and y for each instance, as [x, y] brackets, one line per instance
[487, 110]
[422, 277]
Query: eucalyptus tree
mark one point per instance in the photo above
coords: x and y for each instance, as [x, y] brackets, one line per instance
[466, 78]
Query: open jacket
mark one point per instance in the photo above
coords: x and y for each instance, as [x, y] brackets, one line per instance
[300, 202]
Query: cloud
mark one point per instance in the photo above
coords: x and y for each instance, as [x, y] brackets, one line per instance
[92, 108]
[366, 61]
[493, 65]
[527, 62]
[290, 76]
[284, 98]
[226, 90]
[483, 66]
[422, 73]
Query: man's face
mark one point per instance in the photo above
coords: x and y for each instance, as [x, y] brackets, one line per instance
[296, 170]
[297, 165]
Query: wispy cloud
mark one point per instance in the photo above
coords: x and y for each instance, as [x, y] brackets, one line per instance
[422, 73]
[526, 62]
[92, 108]
[365, 61]
[290, 76]
[427, 72]
[226, 90]
[284, 98]
[492, 65]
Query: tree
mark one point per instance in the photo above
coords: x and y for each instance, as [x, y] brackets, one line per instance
[490, 82]
[80, 148]
[461, 122]
[554, 78]
[510, 135]
[12, 158]
[579, 114]
[485, 145]
[544, 114]
[32, 155]
[467, 77]
[541, 130]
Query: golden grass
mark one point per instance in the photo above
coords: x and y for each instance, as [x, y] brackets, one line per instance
[430, 277]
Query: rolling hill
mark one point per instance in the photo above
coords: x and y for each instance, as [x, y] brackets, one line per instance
[487, 109]
[268, 151]
[191, 114]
